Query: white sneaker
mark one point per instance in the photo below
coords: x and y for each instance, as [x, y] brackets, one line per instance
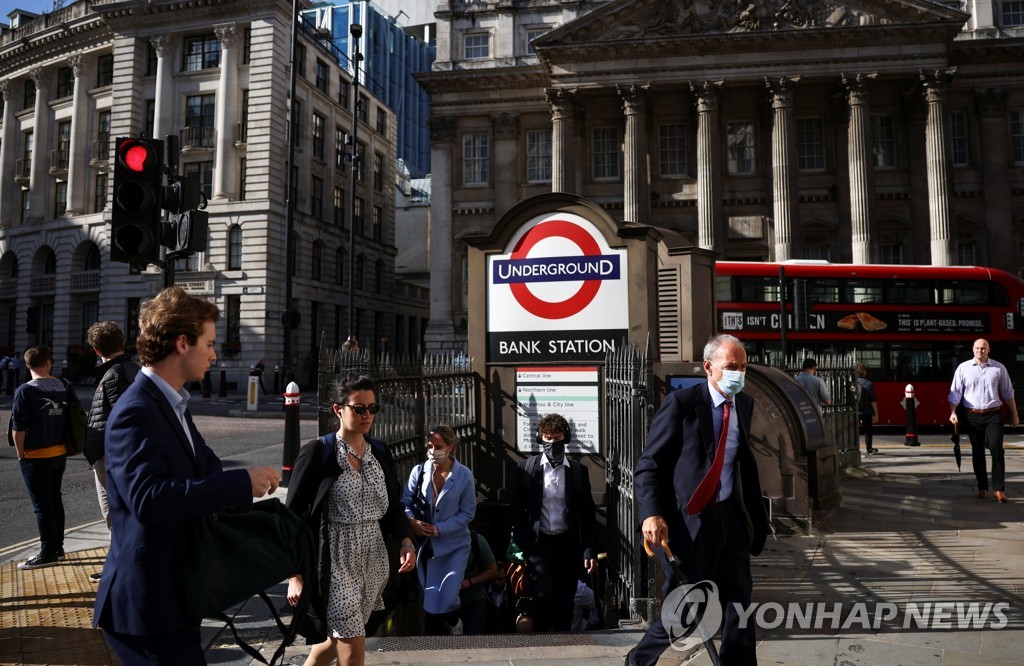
[455, 629]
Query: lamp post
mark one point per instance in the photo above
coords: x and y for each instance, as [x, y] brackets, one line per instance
[356, 30]
[289, 225]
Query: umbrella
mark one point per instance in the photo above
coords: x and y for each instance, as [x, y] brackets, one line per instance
[955, 437]
[679, 578]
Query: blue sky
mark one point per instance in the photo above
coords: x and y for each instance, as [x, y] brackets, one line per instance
[34, 6]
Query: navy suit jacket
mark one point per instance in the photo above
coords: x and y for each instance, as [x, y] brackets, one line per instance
[680, 448]
[155, 486]
[527, 500]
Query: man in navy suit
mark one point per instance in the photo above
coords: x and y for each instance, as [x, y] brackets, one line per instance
[553, 522]
[697, 486]
[161, 475]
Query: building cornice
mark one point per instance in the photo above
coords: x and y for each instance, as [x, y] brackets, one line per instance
[470, 80]
[120, 14]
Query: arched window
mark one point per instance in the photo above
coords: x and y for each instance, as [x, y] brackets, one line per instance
[235, 248]
[92, 259]
[50, 267]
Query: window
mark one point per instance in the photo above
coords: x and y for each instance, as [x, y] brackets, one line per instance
[339, 266]
[342, 91]
[359, 163]
[363, 110]
[27, 154]
[100, 195]
[820, 253]
[318, 136]
[60, 198]
[202, 52]
[293, 200]
[104, 70]
[322, 73]
[318, 259]
[810, 144]
[29, 97]
[102, 151]
[357, 215]
[199, 121]
[24, 204]
[378, 172]
[890, 253]
[296, 126]
[378, 223]
[151, 60]
[300, 60]
[204, 170]
[965, 253]
[532, 34]
[672, 150]
[475, 159]
[1017, 135]
[150, 116]
[340, 149]
[740, 139]
[243, 166]
[63, 146]
[243, 125]
[235, 248]
[606, 153]
[538, 156]
[1013, 12]
[476, 45]
[247, 47]
[382, 120]
[883, 142]
[339, 207]
[958, 138]
[316, 198]
[233, 320]
[65, 82]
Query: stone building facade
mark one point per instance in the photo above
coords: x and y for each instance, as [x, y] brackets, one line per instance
[888, 131]
[217, 75]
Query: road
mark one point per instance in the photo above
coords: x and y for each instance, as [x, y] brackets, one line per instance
[238, 441]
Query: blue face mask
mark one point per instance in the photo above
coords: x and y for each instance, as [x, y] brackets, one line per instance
[731, 382]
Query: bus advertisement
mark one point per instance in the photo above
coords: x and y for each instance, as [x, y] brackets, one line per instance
[907, 324]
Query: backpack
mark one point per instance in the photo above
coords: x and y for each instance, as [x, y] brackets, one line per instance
[76, 420]
[864, 400]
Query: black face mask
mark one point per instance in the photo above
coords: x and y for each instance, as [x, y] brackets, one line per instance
[554, 451]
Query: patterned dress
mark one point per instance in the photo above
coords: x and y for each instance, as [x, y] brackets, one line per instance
[359, 559]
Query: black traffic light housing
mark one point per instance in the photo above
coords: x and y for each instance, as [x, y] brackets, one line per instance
[188, 227]
[137, 208]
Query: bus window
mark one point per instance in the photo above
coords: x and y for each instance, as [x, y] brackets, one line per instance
[910, 292]
[997, 294]
[958, 292]
[823, 291]
[723, 288]
[863, 291]
[756, 289]
[912, 363]
[871, 356]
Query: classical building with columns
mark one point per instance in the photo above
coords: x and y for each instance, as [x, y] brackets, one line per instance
[217, 75]
[875, 131]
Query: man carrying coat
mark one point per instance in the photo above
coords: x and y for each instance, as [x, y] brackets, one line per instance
[697, 486]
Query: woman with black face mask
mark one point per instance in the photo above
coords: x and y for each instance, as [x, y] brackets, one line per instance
[440, 502]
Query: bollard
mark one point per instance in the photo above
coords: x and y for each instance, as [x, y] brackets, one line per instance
[64, 369]
[207, 385]
[277, 380]
[910, 404]
[291, 431]
[223, 383]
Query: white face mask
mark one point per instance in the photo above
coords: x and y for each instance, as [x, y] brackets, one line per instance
[437, 456]
[732, 381]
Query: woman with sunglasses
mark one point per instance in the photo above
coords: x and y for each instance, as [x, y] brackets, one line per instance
[440, 502]
[360, 507]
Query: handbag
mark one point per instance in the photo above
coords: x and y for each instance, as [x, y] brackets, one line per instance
[419, 506]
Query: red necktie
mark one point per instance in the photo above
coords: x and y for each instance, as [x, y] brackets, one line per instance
[709, 484]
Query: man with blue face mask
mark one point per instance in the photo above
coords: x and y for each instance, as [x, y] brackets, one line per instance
[697, 486]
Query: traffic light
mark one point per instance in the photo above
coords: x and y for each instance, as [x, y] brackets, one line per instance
[188, 228]
[137, 212]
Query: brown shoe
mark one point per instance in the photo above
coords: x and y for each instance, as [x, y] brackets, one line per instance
[982, 494]
[1000, 496]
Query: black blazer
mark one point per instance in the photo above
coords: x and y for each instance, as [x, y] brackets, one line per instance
[680, 448]
[527, 497]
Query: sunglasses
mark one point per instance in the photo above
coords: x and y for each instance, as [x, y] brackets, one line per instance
[373, 408]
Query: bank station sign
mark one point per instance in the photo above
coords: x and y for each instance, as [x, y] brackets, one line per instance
[559, 293]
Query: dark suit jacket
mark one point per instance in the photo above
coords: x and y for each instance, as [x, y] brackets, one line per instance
[156, 486]
[527, 497]
[680, 448]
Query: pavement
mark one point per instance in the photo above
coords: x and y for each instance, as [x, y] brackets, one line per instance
[912, 569]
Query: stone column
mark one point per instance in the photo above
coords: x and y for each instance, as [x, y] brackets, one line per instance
[784, 199]
[861, 165]
[709, 158]
[506, 133]
[995, 160]
[636, 203]
[227, 95]
[936, 85]
[563, 109]
[40, 148]
[78, 169]
[8, 194]
[440, 332]
[162, 112]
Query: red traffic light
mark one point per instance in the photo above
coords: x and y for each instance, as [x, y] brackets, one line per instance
[137, 157]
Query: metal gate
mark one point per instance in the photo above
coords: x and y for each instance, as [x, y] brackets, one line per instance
[628, 409]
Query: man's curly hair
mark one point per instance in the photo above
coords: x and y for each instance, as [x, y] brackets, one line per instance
[553, 424]
[172, 313]
[106, 336]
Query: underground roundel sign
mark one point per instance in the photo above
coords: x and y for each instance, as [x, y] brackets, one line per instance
[559, 293]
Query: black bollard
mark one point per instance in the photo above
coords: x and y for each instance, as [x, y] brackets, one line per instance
[207, 385]
[277, 380]
[223, 384]
[291, 431]
[911, 405]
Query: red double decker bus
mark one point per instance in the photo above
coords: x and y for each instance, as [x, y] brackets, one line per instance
[908, 324]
